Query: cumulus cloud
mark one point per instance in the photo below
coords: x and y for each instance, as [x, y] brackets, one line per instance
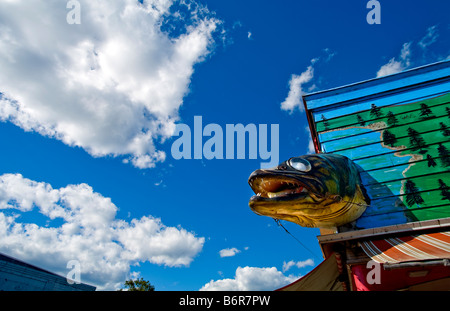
[296, 83]
[299, 264]
[251, 279]
[397, 65]
[293, 100]
[423, 55]
[229, 252]
[87, 231]
[111, 85]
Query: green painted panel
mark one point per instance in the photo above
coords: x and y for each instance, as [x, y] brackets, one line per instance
[402, 144]
[335, 139]
[385, 174]
[403, 152]
[427, 182]
[410, 112]
[393, 157]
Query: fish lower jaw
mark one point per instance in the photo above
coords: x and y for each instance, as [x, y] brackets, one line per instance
[282, 193]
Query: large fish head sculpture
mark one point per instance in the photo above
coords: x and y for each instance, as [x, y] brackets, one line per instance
[318, 190]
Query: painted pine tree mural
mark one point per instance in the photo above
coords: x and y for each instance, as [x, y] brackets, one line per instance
[444, 154]
[444, 129]
[444, 190]
[403, 150]
[389, 138]
[375, 111]
[391, 120]
[360, 120]
[416, 140]
[431, 162]
[425, 111]
[412, 194]
[325, 122]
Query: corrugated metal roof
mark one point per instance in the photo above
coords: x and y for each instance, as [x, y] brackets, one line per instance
[16, 275]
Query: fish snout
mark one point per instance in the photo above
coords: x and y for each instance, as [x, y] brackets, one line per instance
[257, 174]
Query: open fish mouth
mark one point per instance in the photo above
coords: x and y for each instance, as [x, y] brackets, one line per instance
[320, 190]
[273, 187]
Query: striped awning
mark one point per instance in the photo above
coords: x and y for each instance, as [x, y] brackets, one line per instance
[430, 246]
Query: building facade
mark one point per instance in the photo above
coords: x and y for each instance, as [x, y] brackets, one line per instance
[396, 129]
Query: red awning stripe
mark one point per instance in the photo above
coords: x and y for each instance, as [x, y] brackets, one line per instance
[410, 248]
[440, 241]
[413, 249]
[375, 253]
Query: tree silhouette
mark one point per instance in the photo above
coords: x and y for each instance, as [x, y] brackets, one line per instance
[412, 194]
[389, 138]
[425, 111]
[417, 142]
[392, 120]
[375, 111]
[139, 285]
[325, 122]
[443, 153]
[444, 129]
[431, 161]
[361, 120]
[444, 190]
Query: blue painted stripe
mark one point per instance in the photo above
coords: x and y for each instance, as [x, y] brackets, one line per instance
[393, 99]
[390, 83]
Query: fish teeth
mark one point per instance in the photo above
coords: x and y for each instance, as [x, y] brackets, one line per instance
[271, 195]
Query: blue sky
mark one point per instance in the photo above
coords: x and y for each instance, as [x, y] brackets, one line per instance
[88, 111]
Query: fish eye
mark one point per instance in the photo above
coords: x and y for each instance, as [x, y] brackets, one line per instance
[300, 164]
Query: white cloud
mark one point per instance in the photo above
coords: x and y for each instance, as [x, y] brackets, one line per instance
[311, 149]
[424, 55]
[293, 100]
[391, 67]
[330, 54]
[251, 279]
[394, 66]
[88, 231]
[299, 264]
[111, 85]
[429, 38]
[229, 252]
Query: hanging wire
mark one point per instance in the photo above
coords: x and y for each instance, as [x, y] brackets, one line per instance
[278, 222]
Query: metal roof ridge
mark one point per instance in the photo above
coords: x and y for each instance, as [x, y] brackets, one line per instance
[387, 230]
[387, 77]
